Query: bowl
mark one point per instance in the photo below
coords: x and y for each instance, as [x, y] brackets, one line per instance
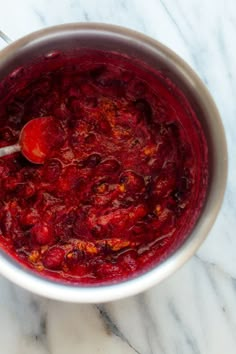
[158, 57]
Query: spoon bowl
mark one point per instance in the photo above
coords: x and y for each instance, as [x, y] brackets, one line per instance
[36, 139]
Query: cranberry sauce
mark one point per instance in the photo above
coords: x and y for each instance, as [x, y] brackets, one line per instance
[127, 180]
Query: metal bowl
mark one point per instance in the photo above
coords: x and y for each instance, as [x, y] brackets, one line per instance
[156, 55]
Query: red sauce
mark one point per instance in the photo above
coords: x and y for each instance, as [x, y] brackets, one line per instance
[126, 182]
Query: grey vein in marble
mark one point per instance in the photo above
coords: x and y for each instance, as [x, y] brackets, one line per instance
[111, 327]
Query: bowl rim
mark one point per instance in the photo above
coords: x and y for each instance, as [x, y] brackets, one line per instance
[46, 287]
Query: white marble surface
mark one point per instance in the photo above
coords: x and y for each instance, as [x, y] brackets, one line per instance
[194, 311]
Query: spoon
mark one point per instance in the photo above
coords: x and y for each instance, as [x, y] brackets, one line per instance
[36, 140]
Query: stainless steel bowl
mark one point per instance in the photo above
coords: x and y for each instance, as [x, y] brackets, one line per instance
[156, 55]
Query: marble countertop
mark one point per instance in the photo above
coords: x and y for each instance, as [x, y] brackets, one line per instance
[194, 311]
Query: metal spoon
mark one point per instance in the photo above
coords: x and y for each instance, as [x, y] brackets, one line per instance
[36, 140]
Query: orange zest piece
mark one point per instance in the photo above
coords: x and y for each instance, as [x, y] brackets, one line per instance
[122, 188]
[34, 256]
[117, 244]
[149, 150]
[88, 247]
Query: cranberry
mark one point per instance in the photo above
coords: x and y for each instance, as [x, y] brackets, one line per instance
[67, 155]
[7, 134]
[42, 233]
[92, 160]
[80, 270]
[108, 167]
[127, 119]
[109, 270]
[64, 225]
[26, 190]
[133, 182]
[69, 179]
[90, 139]
[28, 173]
[164, 185]
[4, 170]
[164, 214]
[52, 170]
[121, 218]
[53, 258]
[29, 218]
[11, 183]
[62, 113]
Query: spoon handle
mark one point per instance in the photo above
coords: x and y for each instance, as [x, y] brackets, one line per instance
[7, 150]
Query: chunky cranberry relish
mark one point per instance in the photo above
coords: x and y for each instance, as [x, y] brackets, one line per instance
[126, 182]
